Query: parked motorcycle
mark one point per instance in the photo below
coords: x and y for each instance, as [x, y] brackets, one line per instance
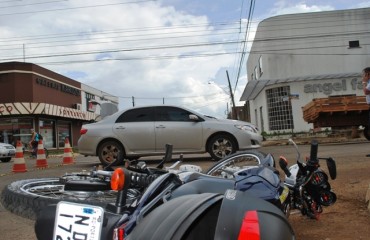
[309, 187]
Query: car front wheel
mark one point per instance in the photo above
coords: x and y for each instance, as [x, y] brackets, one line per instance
[6, 159]
[221, 146]
[111, 152]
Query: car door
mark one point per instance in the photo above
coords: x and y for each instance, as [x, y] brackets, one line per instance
[135, 129]
[173, 126]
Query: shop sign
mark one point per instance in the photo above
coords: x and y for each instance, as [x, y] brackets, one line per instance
[23, 108]
[334, 86]
[58, 86]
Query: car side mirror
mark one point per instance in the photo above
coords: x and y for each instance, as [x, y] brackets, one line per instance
[193, 117]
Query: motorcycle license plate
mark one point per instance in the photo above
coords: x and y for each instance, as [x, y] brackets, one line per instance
[78, 221]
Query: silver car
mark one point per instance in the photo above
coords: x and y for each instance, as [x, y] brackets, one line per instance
[144, 131]
[7, 151]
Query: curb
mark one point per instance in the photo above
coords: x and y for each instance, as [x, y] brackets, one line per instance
[320, 140]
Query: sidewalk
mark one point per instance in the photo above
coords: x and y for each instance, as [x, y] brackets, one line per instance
[319, 139]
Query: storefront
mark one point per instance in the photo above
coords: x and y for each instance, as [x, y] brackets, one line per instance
[36, 98]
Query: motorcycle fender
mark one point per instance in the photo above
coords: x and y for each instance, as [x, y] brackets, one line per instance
[191, 216]
[233, 218]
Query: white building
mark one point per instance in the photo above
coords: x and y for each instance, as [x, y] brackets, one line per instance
[298, 57]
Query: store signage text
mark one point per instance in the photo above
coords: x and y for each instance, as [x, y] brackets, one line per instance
[58, 86]
[329, 87]
[8, 109]
[64, 112]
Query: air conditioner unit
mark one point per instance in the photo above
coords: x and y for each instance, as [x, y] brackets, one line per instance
[78, 106]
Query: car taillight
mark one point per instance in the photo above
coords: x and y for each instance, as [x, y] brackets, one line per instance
[250, 229]
[83, 131]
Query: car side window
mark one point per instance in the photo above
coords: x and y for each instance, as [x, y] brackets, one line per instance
[137, 115]
[172, 114]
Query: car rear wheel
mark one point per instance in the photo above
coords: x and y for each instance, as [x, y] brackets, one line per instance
[111, 152]
[367, 133]
[221, 146]
[5, 159]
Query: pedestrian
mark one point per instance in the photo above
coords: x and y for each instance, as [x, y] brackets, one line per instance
[366, 88]
[34, 142]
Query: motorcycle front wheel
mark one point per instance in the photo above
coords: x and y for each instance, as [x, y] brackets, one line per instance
[27, 197]
[235, 162]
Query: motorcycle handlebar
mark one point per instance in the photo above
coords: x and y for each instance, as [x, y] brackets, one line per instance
[313, 154]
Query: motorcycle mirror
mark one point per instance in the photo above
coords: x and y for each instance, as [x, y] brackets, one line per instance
[283, 163]
[332, 167]
[117, 181]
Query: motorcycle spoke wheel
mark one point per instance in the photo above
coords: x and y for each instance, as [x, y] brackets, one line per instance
[227, 166]
[27, 197]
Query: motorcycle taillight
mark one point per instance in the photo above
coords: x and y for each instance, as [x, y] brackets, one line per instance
[250, 228]
[118, 234]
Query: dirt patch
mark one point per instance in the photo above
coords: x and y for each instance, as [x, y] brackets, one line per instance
[349, 217]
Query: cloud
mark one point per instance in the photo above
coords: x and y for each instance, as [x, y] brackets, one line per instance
[128, 50]
[284, 7]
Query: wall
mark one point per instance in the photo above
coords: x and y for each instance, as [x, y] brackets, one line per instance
[312, 48]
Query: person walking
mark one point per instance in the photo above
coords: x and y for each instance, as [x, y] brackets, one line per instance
[366, 89]
[34, 142]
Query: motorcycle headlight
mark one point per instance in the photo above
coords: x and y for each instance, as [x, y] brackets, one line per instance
[318, 178]
[246, 128]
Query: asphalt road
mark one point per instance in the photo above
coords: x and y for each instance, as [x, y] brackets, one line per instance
[15, 227]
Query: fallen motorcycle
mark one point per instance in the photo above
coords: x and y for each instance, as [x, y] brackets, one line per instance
[201, 215]
[28, 196]
[309, 187]
[131, 205]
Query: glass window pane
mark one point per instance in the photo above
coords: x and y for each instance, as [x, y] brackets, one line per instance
[63, 132]
[279, 108]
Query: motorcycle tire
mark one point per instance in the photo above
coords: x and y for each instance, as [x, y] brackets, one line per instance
[26, 197]
[235, 162]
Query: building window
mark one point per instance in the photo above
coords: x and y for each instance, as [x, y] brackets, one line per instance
[47, 130]
[256, 73]
[260, 70]
[354, 44]
[14, 129]
[279, 109]
[63, 131]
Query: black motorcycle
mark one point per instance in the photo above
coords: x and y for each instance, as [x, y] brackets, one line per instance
[309, 187]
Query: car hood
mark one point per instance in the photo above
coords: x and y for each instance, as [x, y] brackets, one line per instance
[228, 121]
[6, 145]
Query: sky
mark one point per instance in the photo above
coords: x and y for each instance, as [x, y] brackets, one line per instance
[178, 52]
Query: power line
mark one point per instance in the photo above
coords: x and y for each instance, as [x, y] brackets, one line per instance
[74, 8]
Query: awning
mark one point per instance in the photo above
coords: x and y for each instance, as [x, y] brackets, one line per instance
[254, 87]
[28, 108]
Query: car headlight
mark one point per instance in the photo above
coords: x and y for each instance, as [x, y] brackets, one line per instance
[246, 128]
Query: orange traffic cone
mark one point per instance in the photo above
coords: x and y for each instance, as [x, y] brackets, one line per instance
[67, 156]
[41, 156]
[19, 163]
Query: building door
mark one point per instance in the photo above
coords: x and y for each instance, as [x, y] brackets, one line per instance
[63, 131]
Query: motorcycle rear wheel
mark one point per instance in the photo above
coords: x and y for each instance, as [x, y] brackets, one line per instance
[26, 197]
[234, 162]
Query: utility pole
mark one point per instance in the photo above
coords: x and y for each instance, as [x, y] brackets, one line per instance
[231, 96]
[133, 101]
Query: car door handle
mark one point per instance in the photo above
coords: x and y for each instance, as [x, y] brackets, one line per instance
[160, 126]
[120, 127]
